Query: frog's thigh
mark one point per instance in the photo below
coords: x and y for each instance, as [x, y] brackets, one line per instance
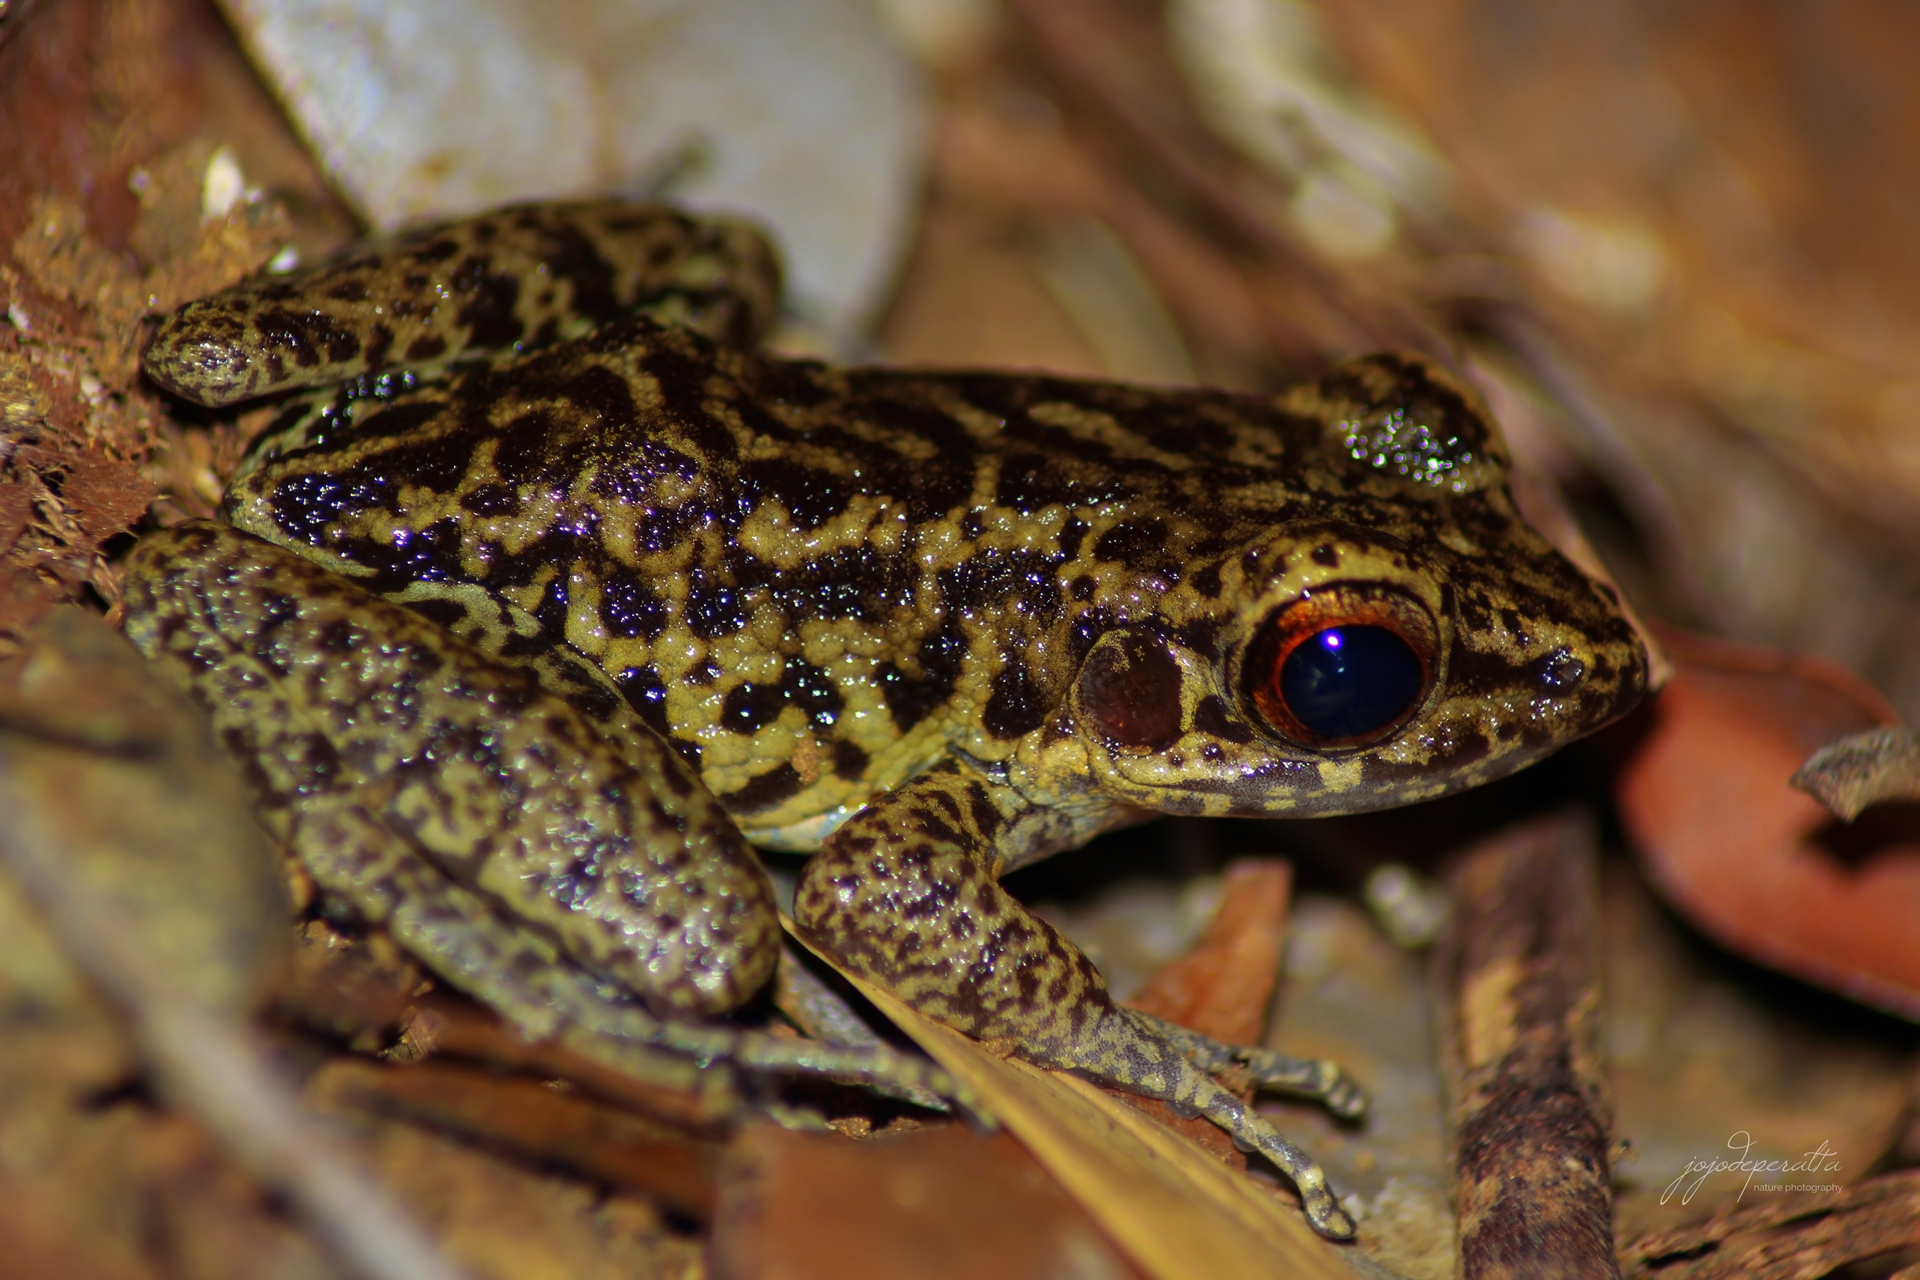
[462, 769]
[906, 895]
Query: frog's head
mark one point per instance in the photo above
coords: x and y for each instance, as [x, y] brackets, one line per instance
[1413, 637]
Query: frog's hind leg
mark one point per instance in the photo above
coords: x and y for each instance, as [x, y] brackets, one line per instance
[544, 997]
[907, 895]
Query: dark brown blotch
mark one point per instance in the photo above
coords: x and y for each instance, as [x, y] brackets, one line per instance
[379, 344]
[1133, 542]
[428, 346]
[646, 693]
[764, 792]
[1206, 581]
[307, 336]
[630, 607]
[1017, 704]
[911, 699]
[747, 707]
[849, 760]
[811, 496]
[489, 311]
[438, 249]
[1211, 717]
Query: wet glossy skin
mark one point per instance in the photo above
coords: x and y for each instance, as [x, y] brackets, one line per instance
[932, 626]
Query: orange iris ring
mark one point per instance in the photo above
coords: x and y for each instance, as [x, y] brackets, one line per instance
[1320, 609]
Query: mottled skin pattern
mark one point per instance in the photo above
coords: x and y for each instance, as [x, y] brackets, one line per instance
[938, 625]
[514, 279]
[588, 887]
[327, 692]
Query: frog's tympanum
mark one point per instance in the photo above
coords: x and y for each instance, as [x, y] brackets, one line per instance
[564, 597]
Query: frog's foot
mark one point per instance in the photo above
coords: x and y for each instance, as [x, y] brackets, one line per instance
[1318, 1079]
[1148, 1056]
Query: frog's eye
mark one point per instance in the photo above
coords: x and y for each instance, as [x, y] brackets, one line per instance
[1342, 666]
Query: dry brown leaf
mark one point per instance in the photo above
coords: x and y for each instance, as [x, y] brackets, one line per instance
[1856, 772]
[529, 1119]
[1223, 987]
[106, 494]
[123, 106]
[1762, 867]
[943, 1203]
[16, 511]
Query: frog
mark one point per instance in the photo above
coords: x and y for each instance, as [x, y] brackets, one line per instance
[548, 602]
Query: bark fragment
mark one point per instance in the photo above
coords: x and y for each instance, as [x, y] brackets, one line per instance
[1789, 1239]
[1517, 976]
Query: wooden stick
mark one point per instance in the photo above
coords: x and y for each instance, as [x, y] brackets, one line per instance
[1518, 986]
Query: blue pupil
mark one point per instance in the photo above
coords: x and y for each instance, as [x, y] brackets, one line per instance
[1348, 682]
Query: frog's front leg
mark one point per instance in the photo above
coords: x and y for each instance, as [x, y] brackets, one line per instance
[907, 895]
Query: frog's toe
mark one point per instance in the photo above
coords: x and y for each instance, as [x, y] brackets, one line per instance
[1343, 1097]
[1319, 1079]
[1252, 1133]
[1162, 1060]
[878, 1067]
[1317, 1200]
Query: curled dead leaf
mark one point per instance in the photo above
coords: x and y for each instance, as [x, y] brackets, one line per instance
[1862, 770]
[1761, 867]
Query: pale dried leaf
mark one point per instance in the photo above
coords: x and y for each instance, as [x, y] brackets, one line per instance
[1177, 1211]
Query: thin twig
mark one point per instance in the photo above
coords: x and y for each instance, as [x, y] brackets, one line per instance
[1517, 971]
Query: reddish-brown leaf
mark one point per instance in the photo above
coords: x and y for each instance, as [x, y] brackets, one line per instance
[939, 1204]
[1224, 986]
[1760, 866]
[523, 1116]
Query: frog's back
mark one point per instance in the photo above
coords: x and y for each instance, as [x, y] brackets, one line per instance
[814, 581]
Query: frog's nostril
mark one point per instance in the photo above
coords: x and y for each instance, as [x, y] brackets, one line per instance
[1561, 671]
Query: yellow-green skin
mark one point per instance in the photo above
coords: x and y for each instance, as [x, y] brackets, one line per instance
[931, 625]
